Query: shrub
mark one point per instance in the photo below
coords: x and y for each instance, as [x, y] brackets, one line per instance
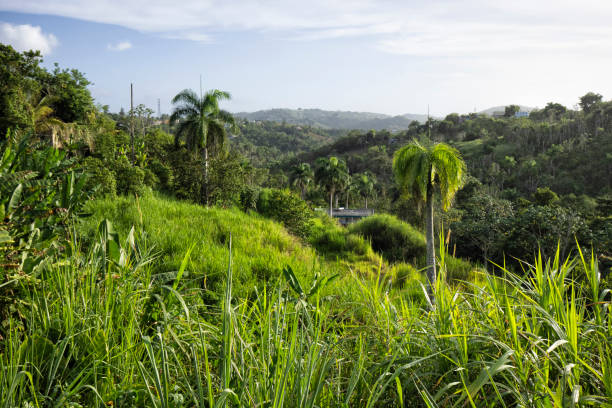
[157, 144]
[163, 174]
[188, 172]
[150, 178]
[397, 241]
[286, 207]
[105, 146]
[227, 176]
[100, 175]
[248, 198]
[130, 179]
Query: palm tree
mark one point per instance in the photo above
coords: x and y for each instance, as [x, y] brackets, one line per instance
[201, 123]
[365, 185]
[349, 188]
[332, 174]
[419, 169]
[301, 177]
[43, 121]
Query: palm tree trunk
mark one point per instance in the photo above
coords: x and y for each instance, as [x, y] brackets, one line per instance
[331, 200]
[429, 235]
[347, 197]
[366, 202]
[206, 175]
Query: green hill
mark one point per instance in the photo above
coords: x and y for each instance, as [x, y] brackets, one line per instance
[261, 247]
[334, 119]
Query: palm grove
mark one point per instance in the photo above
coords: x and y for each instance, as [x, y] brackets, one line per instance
[119, 284]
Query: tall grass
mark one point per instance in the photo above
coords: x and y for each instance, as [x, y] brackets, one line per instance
[105, 327]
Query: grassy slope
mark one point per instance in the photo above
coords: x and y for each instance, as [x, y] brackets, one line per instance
[261, 248]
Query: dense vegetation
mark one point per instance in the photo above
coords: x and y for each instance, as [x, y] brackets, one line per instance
[188, 266]
[532, 181]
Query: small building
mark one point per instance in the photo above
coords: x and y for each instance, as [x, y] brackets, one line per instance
[521, 114]
[347, 216]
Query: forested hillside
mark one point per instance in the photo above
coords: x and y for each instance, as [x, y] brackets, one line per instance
[181, 261]
[334, 119]
[526, 174]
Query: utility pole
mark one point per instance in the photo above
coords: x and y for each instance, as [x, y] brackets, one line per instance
[428, 124]
[132, 120]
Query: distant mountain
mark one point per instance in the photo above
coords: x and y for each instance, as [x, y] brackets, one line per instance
[334, 119]
[501, 109]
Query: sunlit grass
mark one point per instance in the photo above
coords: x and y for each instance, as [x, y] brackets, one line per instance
[105, 325]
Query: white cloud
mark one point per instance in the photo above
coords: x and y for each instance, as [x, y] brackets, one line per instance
[26, 37]
[416, 27]
[188, 35]
[120, 46]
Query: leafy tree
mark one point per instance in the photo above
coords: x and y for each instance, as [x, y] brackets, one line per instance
[589, 100]
[540, 227]
[143, 117]
[19, 77]
[72, 101]
[301, 177]
[201, 123]
[545, 196]
[332, 174]
[228, 178]
[511, 110]
[484, 223]
[420, 168]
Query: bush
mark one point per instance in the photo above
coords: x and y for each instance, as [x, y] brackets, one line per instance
[286, 207]
[397, 241]
[188, 172]
[150, 178]
[248, 198]
[227, 177]
[157, 144]
[101, 176]
[105, 146]
[130, 179]
[163, 174]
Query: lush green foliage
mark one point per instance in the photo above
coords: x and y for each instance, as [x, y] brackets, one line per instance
[106, 326]
[286, 208]
[397, 241]
[156, 302]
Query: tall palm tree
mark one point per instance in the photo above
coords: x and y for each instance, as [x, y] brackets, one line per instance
[349, 188]
[419, 169]
[365, 185]
[201, 123]
[332, 174]
[301, 177]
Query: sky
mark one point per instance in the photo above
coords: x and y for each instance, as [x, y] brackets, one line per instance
[382, 56]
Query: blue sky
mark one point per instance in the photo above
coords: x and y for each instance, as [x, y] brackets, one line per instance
[383, 56]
